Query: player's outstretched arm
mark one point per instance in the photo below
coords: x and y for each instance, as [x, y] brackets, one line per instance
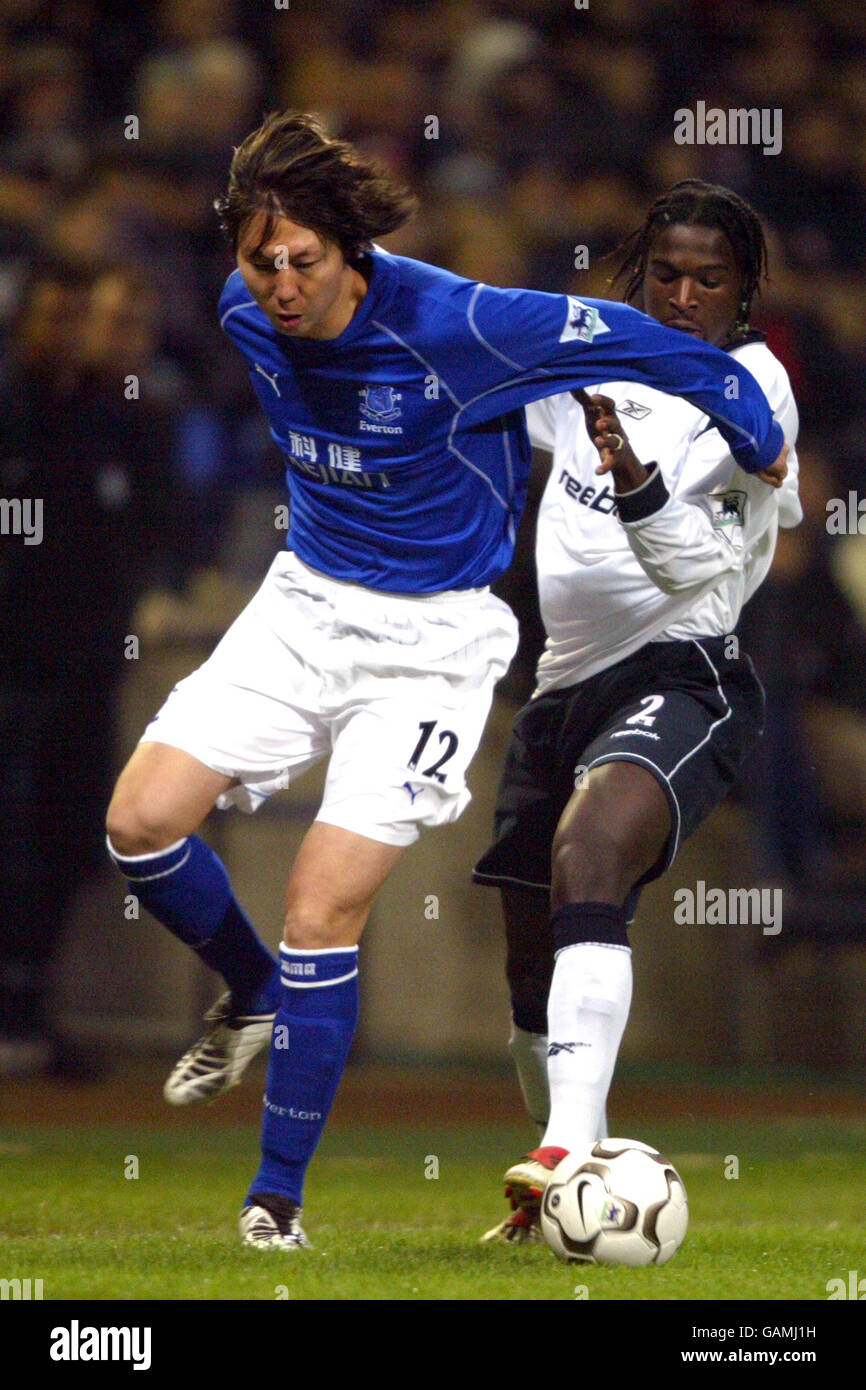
[704, 375]
[538, 344]
[618, 457]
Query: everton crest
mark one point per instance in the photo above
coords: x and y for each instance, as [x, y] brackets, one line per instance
[379, 403]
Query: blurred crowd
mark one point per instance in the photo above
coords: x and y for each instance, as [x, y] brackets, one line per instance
[529, 128]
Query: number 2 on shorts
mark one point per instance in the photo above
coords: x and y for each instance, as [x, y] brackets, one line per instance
[651, 703]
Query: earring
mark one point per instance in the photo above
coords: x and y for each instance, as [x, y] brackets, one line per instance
[742, 325]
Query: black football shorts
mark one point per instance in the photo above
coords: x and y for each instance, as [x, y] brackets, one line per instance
[686, 711]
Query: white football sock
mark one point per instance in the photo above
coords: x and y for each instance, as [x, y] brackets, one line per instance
[586, 1014]
[529, 1051]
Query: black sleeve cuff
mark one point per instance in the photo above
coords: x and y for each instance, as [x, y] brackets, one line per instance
[645, 500]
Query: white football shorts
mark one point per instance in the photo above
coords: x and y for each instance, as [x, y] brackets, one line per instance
[395, 688]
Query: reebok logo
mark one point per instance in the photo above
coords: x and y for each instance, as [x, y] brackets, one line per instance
[634, 409]
[603, 501]
[557, 1047]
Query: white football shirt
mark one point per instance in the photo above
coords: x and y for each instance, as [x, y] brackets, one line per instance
[685, 570]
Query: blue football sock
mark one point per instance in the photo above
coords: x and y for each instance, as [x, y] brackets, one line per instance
[186, 887]
[313, 1032]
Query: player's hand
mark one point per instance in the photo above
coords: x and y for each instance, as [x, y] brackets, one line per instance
[776, 474]
[611, 441]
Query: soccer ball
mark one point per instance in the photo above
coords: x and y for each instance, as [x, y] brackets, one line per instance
[616, 1202]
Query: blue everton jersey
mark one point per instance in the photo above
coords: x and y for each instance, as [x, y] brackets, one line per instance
[405, 437]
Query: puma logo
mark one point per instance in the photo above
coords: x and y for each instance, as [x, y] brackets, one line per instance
[268, 377]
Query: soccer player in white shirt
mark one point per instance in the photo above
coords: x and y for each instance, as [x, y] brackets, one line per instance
[645, 709]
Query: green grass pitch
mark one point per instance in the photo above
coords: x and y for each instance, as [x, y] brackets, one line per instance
[385, 1228]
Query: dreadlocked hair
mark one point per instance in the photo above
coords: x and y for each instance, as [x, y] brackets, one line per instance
[695, 203]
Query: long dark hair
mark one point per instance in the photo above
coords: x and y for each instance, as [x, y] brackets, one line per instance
[289, 167]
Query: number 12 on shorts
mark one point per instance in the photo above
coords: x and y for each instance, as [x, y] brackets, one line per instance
[446, 737]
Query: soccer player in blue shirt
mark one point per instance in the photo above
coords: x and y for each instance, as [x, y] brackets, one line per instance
[396, 392]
